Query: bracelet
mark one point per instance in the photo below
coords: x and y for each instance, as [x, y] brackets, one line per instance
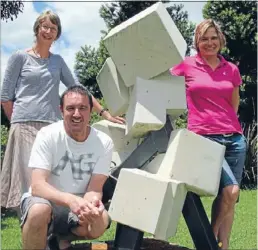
[102, 111]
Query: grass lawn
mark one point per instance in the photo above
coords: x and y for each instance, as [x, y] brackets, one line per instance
[244, 234]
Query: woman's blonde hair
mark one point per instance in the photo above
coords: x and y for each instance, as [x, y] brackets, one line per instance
[53, 17]
[203, 27]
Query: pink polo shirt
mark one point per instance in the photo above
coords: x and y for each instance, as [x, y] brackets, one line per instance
[209, 95]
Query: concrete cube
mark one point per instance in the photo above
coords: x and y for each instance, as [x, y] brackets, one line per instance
[103, 126]
[114, 130]
[178, 95]
[112, 86]
[123, 147]
[148, 202]
[153, 166]
[149, 103]
[145, 45]
[193, 160]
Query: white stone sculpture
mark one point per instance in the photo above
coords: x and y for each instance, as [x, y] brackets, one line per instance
[135, 81]
[113, 88]
[148, 202]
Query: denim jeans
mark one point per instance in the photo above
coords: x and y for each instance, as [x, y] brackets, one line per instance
[234, 161]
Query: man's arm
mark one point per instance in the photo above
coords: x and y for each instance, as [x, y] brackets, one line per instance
[95, 187]
[41, 160]
[100, 173]
[41, 188]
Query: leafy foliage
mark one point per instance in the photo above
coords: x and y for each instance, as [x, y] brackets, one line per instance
[94, 115]
[4, 139]
[186, 27]
[181, 122]
[86, 68]
[4, 135]
[11, 9]
[250, 169]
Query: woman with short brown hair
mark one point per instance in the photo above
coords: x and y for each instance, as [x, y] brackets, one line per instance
[212, 93]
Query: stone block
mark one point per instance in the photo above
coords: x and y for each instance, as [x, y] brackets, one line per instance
[123, 147]
[153, 166]
[113, 89]
[193, 160]
[145, 45]
[148, 202]
[103, 126]
[149, 103]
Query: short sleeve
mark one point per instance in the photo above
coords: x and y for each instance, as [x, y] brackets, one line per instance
[41, 153]
[237, 80]
[104, 162]
[178, 70]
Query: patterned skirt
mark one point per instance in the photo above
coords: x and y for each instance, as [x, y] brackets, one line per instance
[15, 174]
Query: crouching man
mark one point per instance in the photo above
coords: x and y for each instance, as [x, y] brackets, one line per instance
[70, 162]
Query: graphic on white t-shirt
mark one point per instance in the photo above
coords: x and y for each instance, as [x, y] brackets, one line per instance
[81, 165]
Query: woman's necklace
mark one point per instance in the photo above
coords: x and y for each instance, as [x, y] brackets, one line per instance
[36, 54]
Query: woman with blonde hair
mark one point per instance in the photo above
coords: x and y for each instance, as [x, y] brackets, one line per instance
[30, 99]
[212, 92]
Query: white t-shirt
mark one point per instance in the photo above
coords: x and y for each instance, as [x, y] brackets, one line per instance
[71, 163]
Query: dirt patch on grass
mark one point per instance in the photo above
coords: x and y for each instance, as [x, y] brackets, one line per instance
[147, 244]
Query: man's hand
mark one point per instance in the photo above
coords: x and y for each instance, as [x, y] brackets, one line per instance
[98, 203]
[92, 212]
[78, 204]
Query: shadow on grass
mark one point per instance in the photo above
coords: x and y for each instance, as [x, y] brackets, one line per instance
[147, 244]
[5, 214]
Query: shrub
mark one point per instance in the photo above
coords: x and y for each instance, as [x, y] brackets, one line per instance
[95, 116]
[250, 169]
[4, 138]
[181, 121]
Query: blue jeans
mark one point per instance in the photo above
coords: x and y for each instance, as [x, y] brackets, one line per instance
[234, 161]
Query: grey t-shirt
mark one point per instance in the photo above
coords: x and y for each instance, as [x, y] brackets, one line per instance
[33, 85]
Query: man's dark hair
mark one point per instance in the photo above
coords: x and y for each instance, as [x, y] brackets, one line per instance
[77, 89]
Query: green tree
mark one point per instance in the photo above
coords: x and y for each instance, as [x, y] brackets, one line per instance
[86, 68]
[4, 139]
[10, 9]
[113, 14]
[186, 27]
